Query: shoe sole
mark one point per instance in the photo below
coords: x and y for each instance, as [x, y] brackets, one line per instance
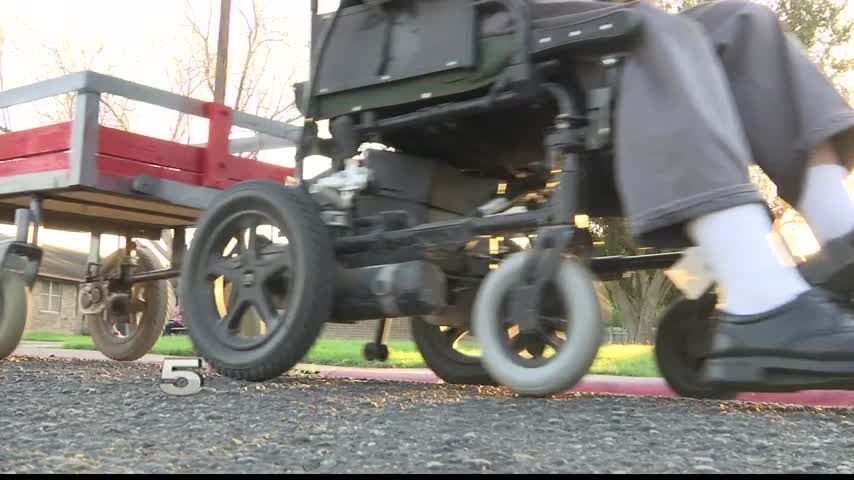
[775, 374]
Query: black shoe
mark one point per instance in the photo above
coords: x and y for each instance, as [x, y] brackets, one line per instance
[806, 344]
[832, 268]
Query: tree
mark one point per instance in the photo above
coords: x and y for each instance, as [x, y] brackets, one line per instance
[822, 27]
[251, 87]
[114, 112]
[185, 79]
[639, 297]
[5, 121]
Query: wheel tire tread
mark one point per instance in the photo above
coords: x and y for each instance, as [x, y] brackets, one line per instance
[319, 300]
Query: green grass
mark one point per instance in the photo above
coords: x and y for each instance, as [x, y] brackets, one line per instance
[348, 353]
[626, 361]
[623, 360]
[45, 337]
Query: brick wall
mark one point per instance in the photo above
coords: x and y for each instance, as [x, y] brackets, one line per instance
[52, 318]
[367, 330]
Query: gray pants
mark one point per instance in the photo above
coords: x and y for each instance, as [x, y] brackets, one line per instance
[704, 95]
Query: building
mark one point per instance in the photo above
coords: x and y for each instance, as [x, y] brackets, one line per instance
[55, 309]
[54, 295]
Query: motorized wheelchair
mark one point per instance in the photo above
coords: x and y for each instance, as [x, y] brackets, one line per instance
[492, 128]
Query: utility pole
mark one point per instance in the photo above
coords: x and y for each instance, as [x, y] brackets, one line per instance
[222, 51]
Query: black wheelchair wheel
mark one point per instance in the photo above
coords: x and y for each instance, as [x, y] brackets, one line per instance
[439, 346]
[282, 288]
[681, 344]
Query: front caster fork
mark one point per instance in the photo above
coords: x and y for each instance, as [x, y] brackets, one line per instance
[540, 271]
[563, 145]
[22, 254]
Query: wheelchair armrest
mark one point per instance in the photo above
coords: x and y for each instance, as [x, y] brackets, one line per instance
[606, 33]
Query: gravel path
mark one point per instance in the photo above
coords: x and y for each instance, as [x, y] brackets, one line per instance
[79, 416]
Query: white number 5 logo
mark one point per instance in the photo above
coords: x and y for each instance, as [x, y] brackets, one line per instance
[178, 377]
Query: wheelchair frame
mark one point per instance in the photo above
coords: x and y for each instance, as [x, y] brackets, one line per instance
[560, 226]
[575, 132]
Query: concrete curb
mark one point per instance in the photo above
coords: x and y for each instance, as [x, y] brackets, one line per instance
[596, 384]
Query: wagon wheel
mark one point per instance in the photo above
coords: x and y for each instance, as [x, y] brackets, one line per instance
[131, 324]
[14, 311]
[232, 279]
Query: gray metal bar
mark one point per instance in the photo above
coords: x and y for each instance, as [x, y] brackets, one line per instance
[84, 140]
[32, 182]
[175, 192]
[622, 264]
[179, 247]
[44, 89]
[153, 275]
[92, 82]
[261, 142]
[36, 217]
[22, 225]
[265, 125]
[93, 267]
[96, 82]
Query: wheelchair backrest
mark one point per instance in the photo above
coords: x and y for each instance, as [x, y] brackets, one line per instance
[395, 41]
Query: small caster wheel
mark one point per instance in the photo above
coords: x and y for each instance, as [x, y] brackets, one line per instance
[374, 352]
[681, 343]
[14, 311]
[553, 354]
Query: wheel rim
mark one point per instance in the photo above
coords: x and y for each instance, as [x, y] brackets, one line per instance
[535, 346]
[584, 329]
[244, 283]
[452, 341]
[127, 311]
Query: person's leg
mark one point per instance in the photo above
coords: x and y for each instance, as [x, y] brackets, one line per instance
[692, 163]
[825, 202]
[799, 128]
[829, 210]
[682, 168]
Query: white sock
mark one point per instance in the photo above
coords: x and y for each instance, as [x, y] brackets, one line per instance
[825, 203]
[754, 272]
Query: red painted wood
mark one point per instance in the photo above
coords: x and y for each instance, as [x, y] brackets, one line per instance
[126, 154]
[242, 169]
[121, 167]
[34, 164]
[37, 141]
[217, 165]
[132, 146]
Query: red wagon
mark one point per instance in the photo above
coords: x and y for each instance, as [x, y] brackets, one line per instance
[82, 176]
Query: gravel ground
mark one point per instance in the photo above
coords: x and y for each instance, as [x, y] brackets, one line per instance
[97, 417]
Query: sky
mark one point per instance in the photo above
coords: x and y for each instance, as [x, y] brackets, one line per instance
[139, 39]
